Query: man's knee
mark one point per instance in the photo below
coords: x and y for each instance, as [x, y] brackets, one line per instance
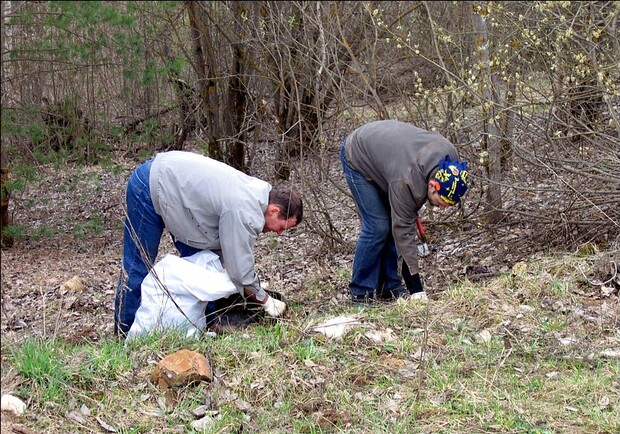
[379, 229]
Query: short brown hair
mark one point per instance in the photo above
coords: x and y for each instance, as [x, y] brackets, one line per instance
[288, 202]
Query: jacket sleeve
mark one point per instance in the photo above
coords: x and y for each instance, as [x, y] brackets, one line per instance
[238, 233]
[404, 229]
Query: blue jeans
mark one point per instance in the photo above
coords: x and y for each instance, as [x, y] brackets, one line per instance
[375, 266]
[142, 235]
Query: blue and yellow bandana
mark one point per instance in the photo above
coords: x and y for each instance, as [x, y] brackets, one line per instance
[452, 177]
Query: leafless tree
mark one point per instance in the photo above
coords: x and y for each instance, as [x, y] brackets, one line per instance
[526, 90]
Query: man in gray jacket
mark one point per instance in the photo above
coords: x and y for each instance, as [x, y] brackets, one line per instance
[392, 169]
[204, 204]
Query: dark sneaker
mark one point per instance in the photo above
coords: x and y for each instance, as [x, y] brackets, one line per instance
[391, 294]
[362, 300]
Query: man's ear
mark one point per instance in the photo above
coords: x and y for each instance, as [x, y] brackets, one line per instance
[433, 185]
[273, 209]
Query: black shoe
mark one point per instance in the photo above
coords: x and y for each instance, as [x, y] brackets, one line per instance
[391, 294]
[362, 300]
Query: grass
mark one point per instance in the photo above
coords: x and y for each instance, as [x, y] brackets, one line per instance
[40, 363]
[480, 357]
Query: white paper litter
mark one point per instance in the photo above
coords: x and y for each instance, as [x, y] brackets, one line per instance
[336, 328]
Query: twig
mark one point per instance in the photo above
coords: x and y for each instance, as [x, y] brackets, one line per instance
[614, 270]
[421, 369]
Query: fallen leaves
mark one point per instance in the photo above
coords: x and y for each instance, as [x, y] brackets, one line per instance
[74, 284]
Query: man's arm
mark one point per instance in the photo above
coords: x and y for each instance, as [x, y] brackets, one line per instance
[404, 217]
[404, 230]
[237, 237]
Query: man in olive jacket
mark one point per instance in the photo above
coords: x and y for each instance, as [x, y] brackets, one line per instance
[392, 169]
[204, 204]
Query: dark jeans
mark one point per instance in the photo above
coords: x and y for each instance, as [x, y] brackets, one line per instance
[142, 235]
[375, 266]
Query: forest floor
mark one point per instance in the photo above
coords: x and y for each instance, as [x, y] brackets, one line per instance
[72, 219]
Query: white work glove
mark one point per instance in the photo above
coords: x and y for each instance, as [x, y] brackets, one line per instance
[274, 307]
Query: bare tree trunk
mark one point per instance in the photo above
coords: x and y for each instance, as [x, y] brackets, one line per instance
[307, 65]
[450, 100]
[185, 96]
[238, 88]
[490, 103]
[7, 240]
[223, 61]
[509, 115]
[207, 85]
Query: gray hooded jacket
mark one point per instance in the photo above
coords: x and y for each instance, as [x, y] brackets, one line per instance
[399, 158]
[209, 205]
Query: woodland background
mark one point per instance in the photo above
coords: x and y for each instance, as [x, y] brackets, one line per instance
[527, 91]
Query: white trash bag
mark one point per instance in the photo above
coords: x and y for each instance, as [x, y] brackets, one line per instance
[191, 282]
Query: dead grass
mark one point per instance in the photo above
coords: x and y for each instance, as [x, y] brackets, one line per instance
[528, 351]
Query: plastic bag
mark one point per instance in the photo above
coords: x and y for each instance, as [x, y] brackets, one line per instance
[176, 291]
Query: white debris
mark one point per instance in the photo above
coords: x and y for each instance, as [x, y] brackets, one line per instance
[419, 296]
[612, 354]
[204, 424]
[337, 327]
[378, 336]
[567, 341]
[525, 309]
[604, 402]
[13, 404]
[484, 336]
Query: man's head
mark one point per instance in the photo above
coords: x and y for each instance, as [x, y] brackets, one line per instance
[285, 210]
[449, 184]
